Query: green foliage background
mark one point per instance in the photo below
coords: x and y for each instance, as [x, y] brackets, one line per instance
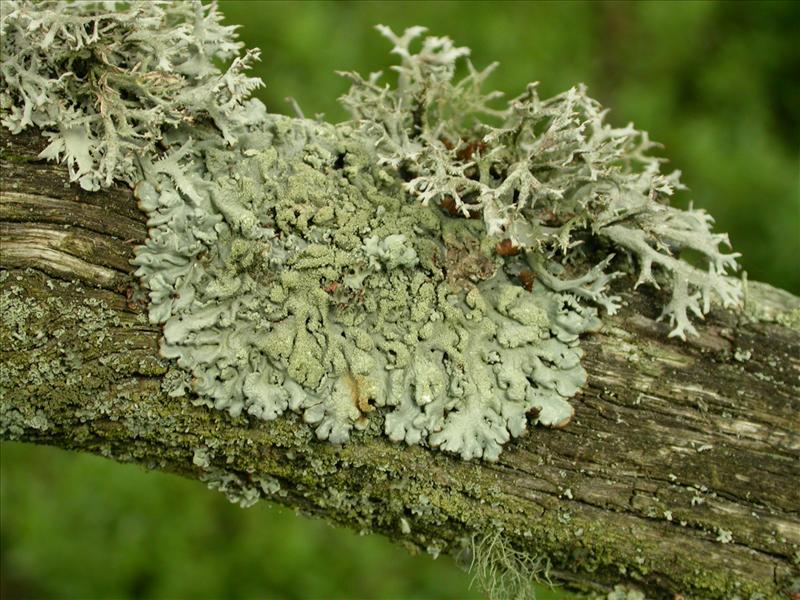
[717, 83]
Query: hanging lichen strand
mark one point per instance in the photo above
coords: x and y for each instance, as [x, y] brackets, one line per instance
[425, 269]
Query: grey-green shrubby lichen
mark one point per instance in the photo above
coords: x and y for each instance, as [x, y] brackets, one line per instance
[504, 572]
[341, 272]
[103, 80]
[550, 177]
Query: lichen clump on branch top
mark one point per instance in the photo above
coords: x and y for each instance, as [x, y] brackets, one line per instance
[424, 269]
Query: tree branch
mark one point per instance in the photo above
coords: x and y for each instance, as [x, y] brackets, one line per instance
[678, 475]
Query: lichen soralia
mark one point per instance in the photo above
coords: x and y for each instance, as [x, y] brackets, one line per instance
[414, 264]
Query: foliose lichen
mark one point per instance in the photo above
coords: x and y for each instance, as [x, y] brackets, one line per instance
[427, 266]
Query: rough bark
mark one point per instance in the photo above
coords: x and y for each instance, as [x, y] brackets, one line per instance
[679, 473]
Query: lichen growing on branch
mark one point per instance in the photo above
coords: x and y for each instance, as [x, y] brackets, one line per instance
[424, 270]
[548, 176]
[105, 80]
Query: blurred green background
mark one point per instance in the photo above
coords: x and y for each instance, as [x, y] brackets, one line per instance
[717, 83]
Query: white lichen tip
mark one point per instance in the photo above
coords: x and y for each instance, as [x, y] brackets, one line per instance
[415, 271]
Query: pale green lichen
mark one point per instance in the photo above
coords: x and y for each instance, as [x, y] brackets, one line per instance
[330, 270]
[623, 592]
[504, 572]
[724, 536]
[103, 80]
[236, 489]
[323, 319]
[550, 177]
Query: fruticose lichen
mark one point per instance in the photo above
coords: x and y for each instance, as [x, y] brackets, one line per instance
[504, 572]
[427, 266]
